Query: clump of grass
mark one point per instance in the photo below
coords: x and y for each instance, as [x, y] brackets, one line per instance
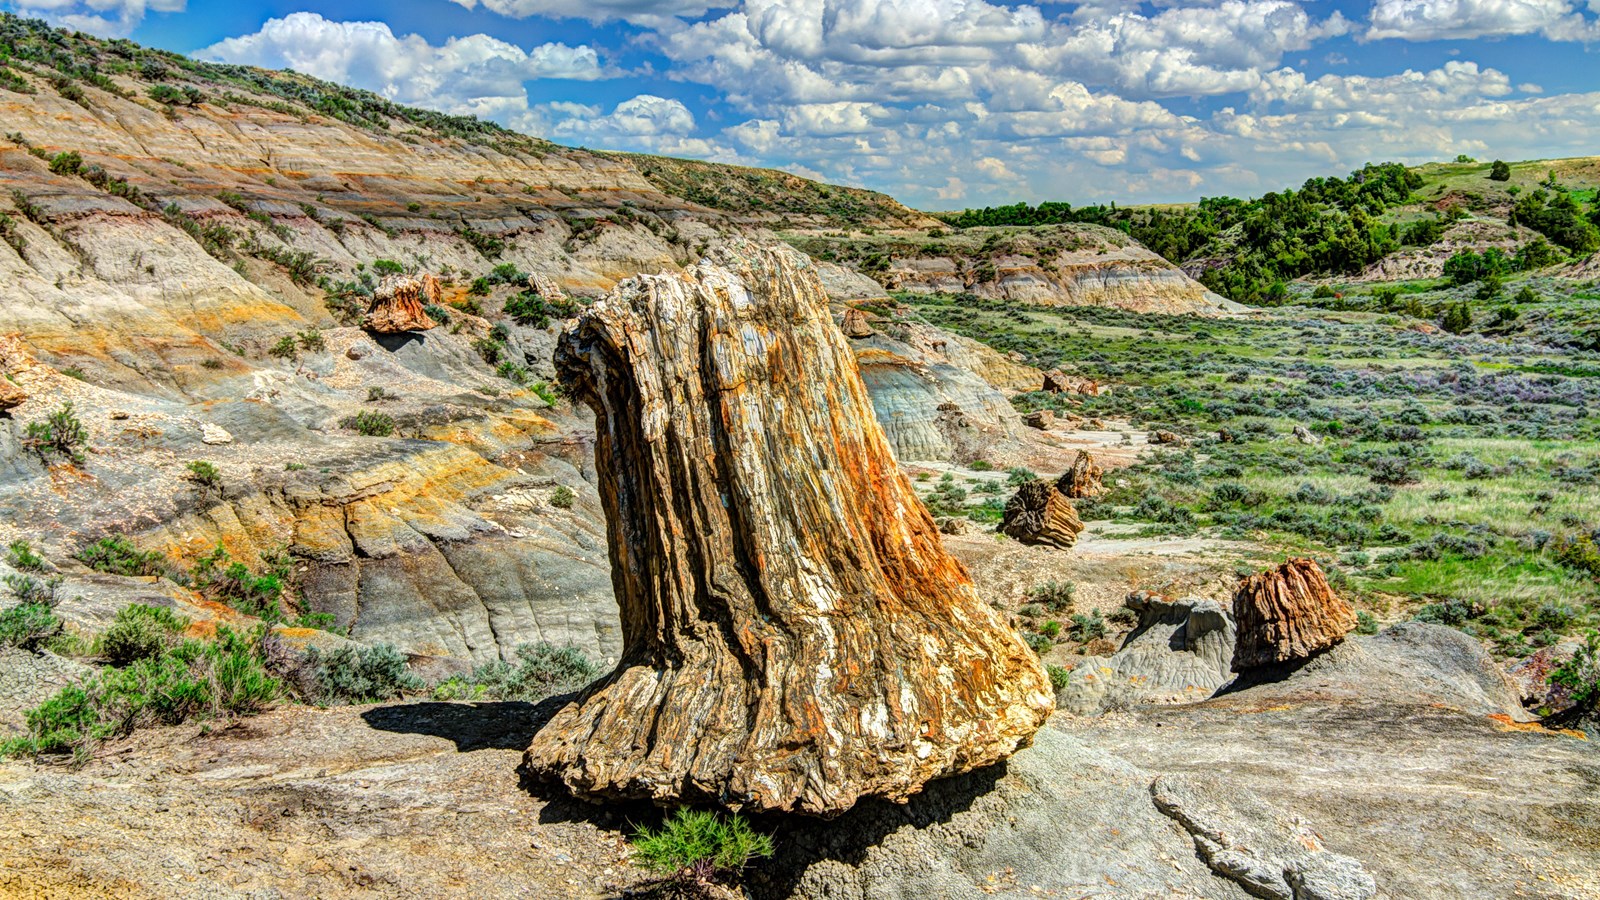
[1056, 596]
[204, 476]
[116, 555]
[260, 594]
[1087, 628]
[542, 670]
[696, 849]
[562, 497]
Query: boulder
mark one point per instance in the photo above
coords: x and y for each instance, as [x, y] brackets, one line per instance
[545, 286]
[795, 635]
[1042, 419]
[955, 525]
[1038, 513]
[1303, 435]
[1082, 478]
[855, 324]
[1059, 382]
[1167, 437]
[214, 434]
[397, 305]
[1286, 614]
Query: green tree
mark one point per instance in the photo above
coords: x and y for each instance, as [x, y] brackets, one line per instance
[1499, 171]
[1457, 319]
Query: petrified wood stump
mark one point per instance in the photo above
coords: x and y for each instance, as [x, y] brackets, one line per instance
[397, 305]
[795, 637]
[855, 324]
[1083, 478]
[1287, 613]
[1038, 513]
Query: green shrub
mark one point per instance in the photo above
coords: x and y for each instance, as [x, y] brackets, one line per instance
[1499, 171]
[61, 434]
[1087, 628]
[371, 423]
[1577, 552]
[1018, 476]
[544, 392]
[1056, 596]
[1366, 623]
[116, 555]
[203, 474]
[1581, 674]
[285, 348]
[220, 577]
[191, 679]
[29, 589]
[387, 267]
[311, 341]
[28, 625]
[562, 497]
[140, 632]
[20, 556]
[1059, 677]
[696, 847]
[361, 674]
[1038, 643]
[542, 670]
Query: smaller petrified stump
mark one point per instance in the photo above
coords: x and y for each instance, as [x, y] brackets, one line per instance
[1287, 613]
[1167, 437]
[397, 306]
[545, 286]
[1083, 478]
[855, 324]
[1042, 419]
[1038, 513]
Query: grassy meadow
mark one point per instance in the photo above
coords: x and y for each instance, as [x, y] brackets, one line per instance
[1452, 478]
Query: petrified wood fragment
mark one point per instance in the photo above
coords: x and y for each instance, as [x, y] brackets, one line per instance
[1059, 382]
[855, 324]
[1042, 419]
[1038, 513]
[795, 636]
[397, 305]
[1287, 613]
[1083, 478]
[10, 395]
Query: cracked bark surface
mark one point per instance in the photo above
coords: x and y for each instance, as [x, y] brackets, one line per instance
[398, 305]
[1287, 613]
[795, 636]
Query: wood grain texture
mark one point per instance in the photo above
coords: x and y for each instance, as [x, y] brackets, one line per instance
[1287, 613]
[1082, 478]
[1038, 513]
[397, 304]
[795, 635]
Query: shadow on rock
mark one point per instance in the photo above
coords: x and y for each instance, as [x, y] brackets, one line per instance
[803, 844]
[396, 342]
[471, 726]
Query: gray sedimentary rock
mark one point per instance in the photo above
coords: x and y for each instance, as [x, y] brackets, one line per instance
[795, 636]
[1179, 653]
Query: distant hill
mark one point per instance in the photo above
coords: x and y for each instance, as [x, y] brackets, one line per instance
[1382, 222]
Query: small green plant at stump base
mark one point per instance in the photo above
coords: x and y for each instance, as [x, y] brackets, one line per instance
[695, 848]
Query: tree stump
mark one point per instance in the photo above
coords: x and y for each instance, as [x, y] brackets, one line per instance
[795, 636]
[1083, 478]
[397, 305]
[1287, 613]
[855, 324]
[1039, 514]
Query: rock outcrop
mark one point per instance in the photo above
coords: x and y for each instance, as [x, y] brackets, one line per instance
[1286, 614]
[1042, 419]
[11, 396]
[397, 305]
[1038, 513]
[795, 636]
[1059, 382]
[1082, 478]
[1179, 653]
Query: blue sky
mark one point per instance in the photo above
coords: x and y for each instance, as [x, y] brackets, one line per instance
[950, 103]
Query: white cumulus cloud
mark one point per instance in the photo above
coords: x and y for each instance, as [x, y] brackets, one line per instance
[477, 74]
